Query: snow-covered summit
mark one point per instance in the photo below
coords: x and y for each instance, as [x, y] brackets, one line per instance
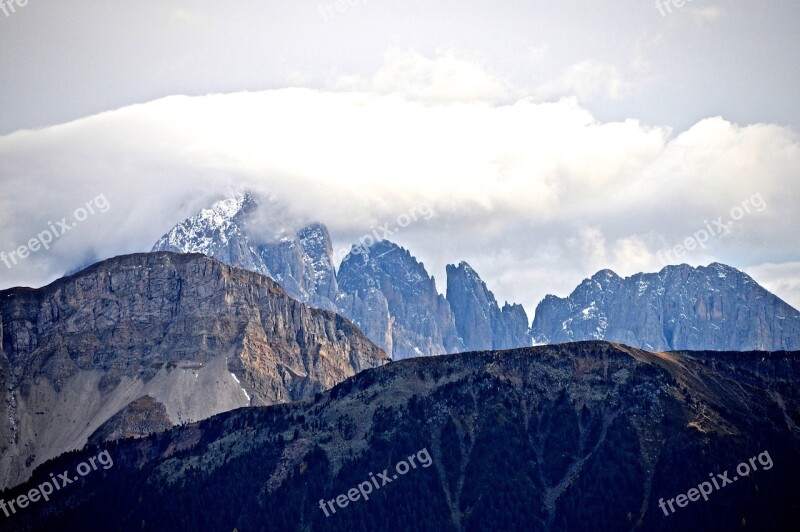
[218, 232]
[233, 231]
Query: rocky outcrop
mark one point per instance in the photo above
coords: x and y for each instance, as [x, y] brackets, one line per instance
[479, 320]
[141, 417]
[196, 335]
[681, 307]
[588, 436]
[321, 272]
[419, 319]
[301, 262]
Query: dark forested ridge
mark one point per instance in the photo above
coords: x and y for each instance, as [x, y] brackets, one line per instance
[585, 436]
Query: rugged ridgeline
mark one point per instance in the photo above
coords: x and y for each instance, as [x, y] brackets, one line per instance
[480, 321]
[582, 436]
[384, 290]
[299, 260]
[386, 276]
[143, 341]
[218, 232]
[681, 307]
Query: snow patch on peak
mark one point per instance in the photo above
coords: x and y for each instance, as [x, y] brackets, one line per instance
[467, 268]
[589, 312]
[206, 230]
[230, 206]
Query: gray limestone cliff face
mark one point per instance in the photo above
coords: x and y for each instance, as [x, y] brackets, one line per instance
[516, 331]
[196, 335]
[369, 310]
[302, 264]
[478, 318]
[681, 307]
[317, 247]
[419, 321]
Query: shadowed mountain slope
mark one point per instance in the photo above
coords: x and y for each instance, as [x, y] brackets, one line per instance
[586, 436]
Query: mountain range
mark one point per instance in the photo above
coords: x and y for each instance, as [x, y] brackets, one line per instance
[391, 297]
[382, 288]
[153, 357]
[681, 307]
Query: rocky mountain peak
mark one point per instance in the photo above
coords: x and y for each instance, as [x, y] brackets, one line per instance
[219, 232]
[680, 307]
[388, 292]
[382, 262]
[605, 277]
[236, 231]
[479, 320]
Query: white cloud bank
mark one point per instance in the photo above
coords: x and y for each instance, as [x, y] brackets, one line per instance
[534, 195]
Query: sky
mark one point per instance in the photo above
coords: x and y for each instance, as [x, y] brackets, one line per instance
[538, 141]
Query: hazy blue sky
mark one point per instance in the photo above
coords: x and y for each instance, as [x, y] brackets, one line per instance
[552, 138]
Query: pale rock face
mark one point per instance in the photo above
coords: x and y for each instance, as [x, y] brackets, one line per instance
[420, 320]
[681, 307]
[516, 332]
[369, 310]
[478, 318]
[196, 336]
[302, 263]
[421, 323]
[318, 253]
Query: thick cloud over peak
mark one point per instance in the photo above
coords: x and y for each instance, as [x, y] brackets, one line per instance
[535, 195]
